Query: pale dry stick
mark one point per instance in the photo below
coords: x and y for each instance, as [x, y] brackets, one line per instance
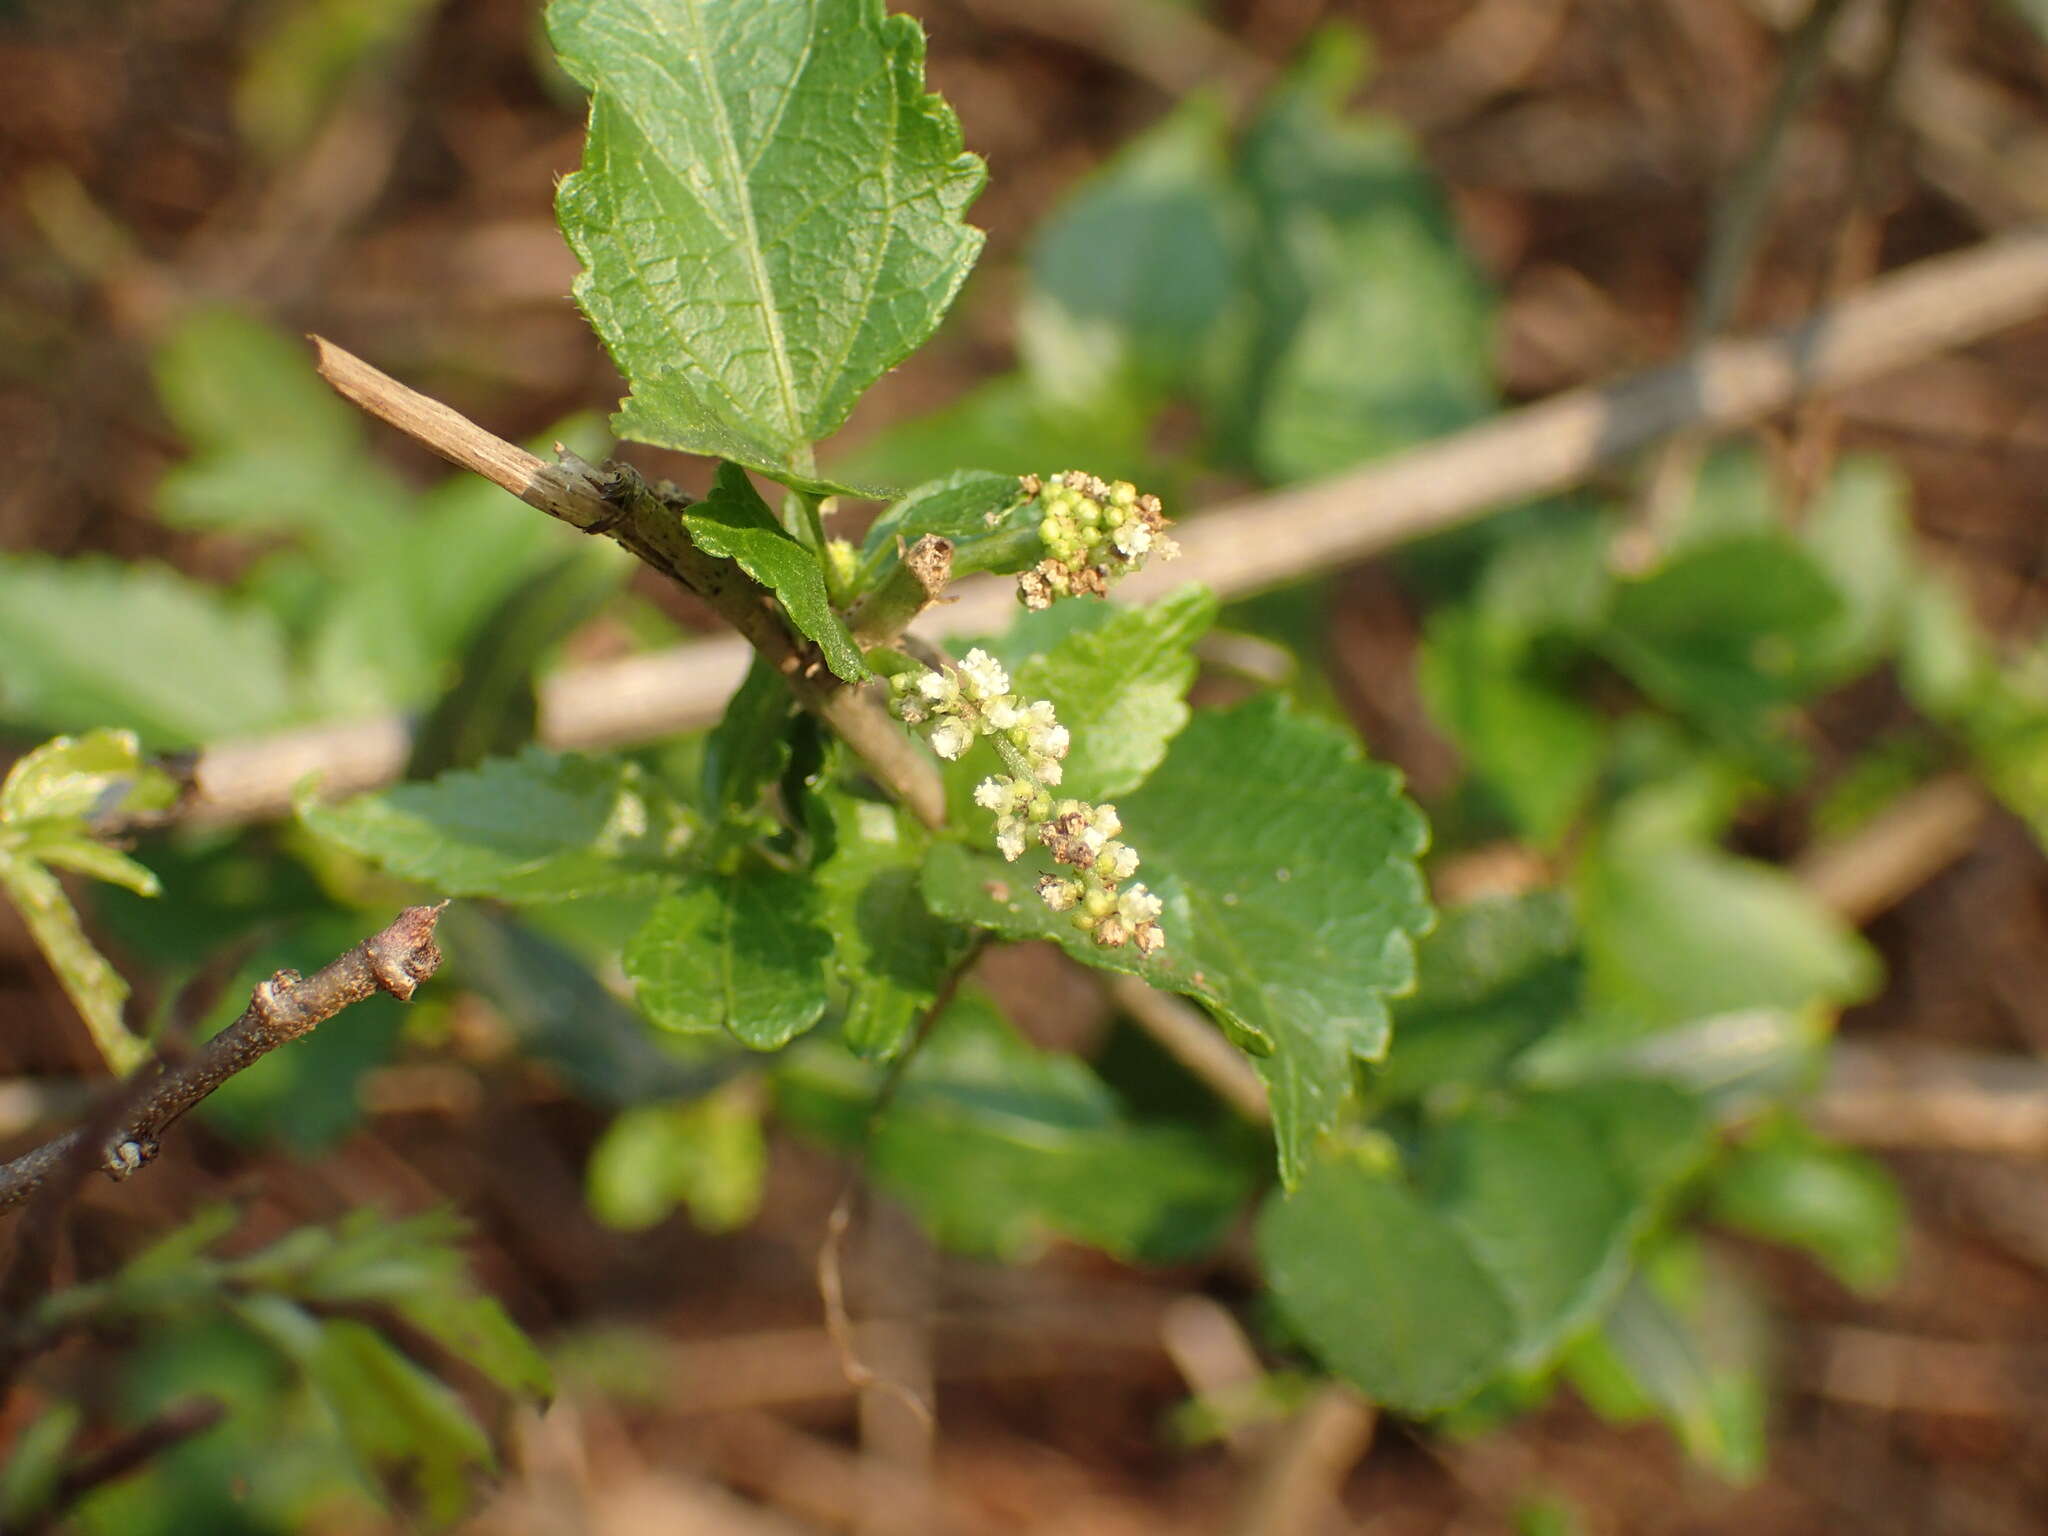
[1932, 306]
[1242, 546]
[280, 1010]
[1294, 1490]
[1929, 1098]
[1903, 847]
[624, 508]
[1208, 1346]
[1190, 1037]
[1900, 1372]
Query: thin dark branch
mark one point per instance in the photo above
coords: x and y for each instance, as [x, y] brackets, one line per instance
[141, 1445]
[33, 1264]
[830, 1270]
[281, 1009]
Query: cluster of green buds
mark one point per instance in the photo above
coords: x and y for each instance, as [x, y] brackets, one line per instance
[1094, 531]
[957, 704]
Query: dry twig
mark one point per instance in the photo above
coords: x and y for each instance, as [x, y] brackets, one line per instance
[281, 1009]
[1239, 547]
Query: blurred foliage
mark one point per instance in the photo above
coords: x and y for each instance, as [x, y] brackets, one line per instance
[308, 1344]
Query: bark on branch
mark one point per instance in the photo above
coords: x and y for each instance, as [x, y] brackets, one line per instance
[620, 505]
[281, 1009]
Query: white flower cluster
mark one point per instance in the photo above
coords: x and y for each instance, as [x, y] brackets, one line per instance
[1094, 531]
[974, 699]
[957, 704]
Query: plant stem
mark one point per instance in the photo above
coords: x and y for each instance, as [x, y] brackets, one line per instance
[915, 582]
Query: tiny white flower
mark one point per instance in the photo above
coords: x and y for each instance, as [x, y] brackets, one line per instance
[1051, 740]
[994, 794]
[1106, 821]
[1124, 862]
[984, 675]
[1003, 711]
[937, 687]
[1058, 894]
[1010, 838]
[1048, 769]
[1138, 906]
[951, 737]
[1038, 716]
[1132, 539]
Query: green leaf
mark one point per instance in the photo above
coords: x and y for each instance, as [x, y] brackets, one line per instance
[415, 1267]
[82, 777]
[398, 1419]
[734, 523]
[1726, 632]
[1365, 326]
[1514, 1235]
[1385, 1292]
[769, 213]
[1860, 532]
[36, 1463]
[1685, 1342]
[491, 707]
[82, 855]
[1128, 275]
[274, 450]
[90, 642]
[986, 516]
[708, 1155]
[1495, 975]
[997, 1146]
[1529, 742]
[539, 827]
[1287, 869]
[497, 539]
[741, 952]
[1944, 656]
[1787, 1185]
[300, 62]
[1120, 688]
[1553, 1190]
[890, 954]
[1663, 914]
[749, 747]
[95, 988]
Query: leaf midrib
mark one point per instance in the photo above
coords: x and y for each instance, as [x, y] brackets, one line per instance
[721, 123]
